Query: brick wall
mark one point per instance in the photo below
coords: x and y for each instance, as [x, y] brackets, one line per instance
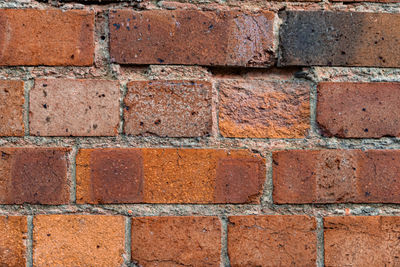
[199, 133]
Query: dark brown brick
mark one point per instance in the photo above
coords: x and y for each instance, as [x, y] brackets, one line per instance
[176, 241]
[340, 39]
[11, 108]
[192, 37]
[272, 241]
[336, 176]
[13, 232]
[34, 175]
[359, 110]
[46, 37]
[168, 108]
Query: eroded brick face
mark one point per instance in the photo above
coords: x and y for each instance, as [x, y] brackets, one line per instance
[272, 241]
[78, 240]
[168, 108]
[361, 241]
[67, 107]
[336, 176]
[34, 175]
[13, 231]
[191, 37]
[172, 241]
[46, 37]
[340, 39]
[264, 109]
[11, 108]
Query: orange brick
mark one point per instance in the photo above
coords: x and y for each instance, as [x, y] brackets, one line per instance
[174, 241]
[11, 108]
[13, 230]
[46, 37]
[78, 240]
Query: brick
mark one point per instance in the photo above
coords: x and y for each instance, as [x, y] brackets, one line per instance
[376, 1]
[130, 175]
[362, 241]
[359, 110]
[174, 241]
[336, 176]
[168, 108]
[288, 240]
[34, 175]
[46, 37]
[78, 240]
[67, 107]
[340, 39]
[13, 231]
[11, 108]
[192, 37]
[264, 109]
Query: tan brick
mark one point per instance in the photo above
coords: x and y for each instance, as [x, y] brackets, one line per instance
[168, 108]
[67, 107]
[272, 240]
[46, 37]
[13, 232]
[11, 108]
[174, 241]
[264, 109]
[78, 240]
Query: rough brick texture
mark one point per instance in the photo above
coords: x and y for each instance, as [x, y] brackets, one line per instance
[66, 107]
[11, 108]
[13, 231]
[168, 108]
[169, 176]
[192, 37]
[272, 241]
[34, 175]
[263, 109]
[336, 176]
[78, 240]
[175, 241]
[46, 37]
[362, 241]
[340, 39]
[359, 110]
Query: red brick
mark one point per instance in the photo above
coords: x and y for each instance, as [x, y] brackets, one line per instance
[13, 230]
[168, 108]
[192, 37]
[34, 175]
[130, 175]
[362, 241]
[11, 108]
[272, 240]
[78, 240]
[359, 110]
[174, 241]
[67, 107]
[46, 37]
[336, 176]
[264, 109]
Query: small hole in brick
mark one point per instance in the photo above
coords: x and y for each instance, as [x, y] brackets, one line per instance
[363, 109]
[48, 234]
[157, 122]
[94, 126]
[48, 119]
[97, 246]
[366, 130]
[103, 37]
[44, 85]
[72, 56]
[141, 123]
[45, 106]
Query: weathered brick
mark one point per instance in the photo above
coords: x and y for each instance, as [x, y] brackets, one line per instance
[174, 241]
[362, 241]
[168, 108]
[336, 176]
[192, 37]
[67, 107]
[264, 109]
[34, 175]
[78, 240]
[272, 240]
[340, 39]
[359, 110]
[130, 175]
[46, 37]
[11, 108]
[13, 230]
